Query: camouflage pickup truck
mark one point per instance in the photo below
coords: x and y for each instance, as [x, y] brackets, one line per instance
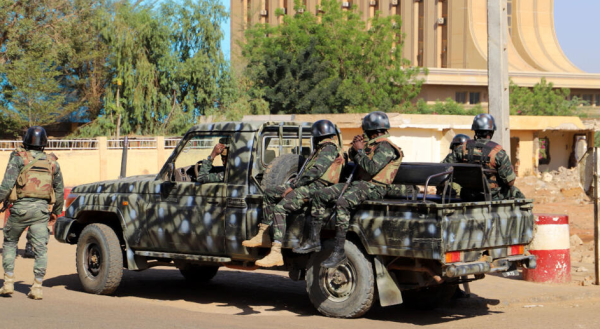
[411, 247]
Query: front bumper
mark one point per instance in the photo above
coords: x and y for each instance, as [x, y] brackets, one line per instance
[62, 227]
[455, 270]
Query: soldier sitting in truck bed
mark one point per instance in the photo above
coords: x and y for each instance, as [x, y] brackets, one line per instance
[207, 172]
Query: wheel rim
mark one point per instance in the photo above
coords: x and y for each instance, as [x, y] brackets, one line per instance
[93, 259]
[340, 282]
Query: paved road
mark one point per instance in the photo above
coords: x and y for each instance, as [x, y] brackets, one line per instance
[160, 298]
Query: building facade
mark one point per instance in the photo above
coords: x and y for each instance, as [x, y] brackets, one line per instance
[449, 37]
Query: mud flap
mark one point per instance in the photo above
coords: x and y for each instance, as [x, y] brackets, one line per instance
[389, 293]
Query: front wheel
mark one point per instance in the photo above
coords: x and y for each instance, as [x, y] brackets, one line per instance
[346, 291]
[99, 259]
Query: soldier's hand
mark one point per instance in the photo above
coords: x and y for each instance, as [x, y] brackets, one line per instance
[218, 149]
[357, 138]
[52, 220]
[287, 191]
[358, 145]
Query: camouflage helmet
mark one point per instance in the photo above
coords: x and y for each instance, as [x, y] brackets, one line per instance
[323, 128]
[483, 122]
[375, 121]
[458, 140]
[35, 136]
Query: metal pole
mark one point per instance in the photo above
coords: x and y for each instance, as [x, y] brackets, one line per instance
[124, 158]
[596, 218]
[498, 82]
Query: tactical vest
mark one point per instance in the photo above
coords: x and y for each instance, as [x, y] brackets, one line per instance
[332, 175]
[386, 175]
[483, 153]
[36, 178]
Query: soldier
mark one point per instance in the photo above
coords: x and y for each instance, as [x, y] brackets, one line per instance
[322, 169]
[34, 181]
[378, 161]
[457, 141]
[207, 172]
[481, 150]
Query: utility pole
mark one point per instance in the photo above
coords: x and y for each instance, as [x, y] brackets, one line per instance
[118, 83]
[498, 82]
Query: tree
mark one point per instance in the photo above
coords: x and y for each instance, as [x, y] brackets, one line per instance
[166, 67]
[335, 62]
[542, 99]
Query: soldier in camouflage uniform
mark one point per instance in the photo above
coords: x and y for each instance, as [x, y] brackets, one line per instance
[207, 172]
[322, 169]
[457, 141]
[32, 182]
[378, 161]
[481, 150]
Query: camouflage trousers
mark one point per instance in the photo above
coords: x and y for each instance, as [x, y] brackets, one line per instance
[355, 194]
[24, 214]
[276, 208]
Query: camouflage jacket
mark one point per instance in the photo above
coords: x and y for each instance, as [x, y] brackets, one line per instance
[326, 155]
[500, 162]
[384, 154]
[209, 174]
[13, 169]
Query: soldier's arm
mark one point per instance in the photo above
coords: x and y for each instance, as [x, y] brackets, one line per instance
[326, 157]
[205, 176]
[448, 158]
[455, 156]
[59, 191]
[384, 154]
[506, 174]
[15, 164]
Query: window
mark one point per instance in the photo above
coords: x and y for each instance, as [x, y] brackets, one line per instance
[544, 154]
[474, 98]
[198, 148]
[509, 16]
[588, 99]
[598, 100]
[444, 53]
[421, 34]
[271, 149]
[461, 97]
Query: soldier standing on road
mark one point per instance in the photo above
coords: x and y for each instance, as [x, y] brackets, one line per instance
[481, 150]
[378, 161]
[207, 172]
[322, 169]
[34, 181]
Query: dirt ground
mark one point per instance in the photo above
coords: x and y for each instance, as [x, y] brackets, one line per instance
[559, 192]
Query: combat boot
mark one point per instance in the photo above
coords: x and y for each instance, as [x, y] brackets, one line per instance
[313, 242]
[274, 258]
[261, 239]
[338, 256]
[28, 251]
[9, 285]
[36, 290]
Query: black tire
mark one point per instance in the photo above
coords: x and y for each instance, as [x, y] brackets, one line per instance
[281, 170]
[429, 298]
[347, 300]
[99, 259]
[198, 273]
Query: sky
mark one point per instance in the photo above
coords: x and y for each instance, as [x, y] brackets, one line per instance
[577, 29]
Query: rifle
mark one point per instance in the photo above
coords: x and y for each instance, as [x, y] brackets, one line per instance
[5, 205]
[348, 181]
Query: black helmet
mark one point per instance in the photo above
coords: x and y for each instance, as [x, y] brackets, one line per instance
[483, 122]
[458, 140]
[323, 128]
[36, 137]
[375, 121]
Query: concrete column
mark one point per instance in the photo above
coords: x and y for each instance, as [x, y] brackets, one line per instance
[103, 157]
[408, 29]
[498, 71]
[430, 29]
[160, 152]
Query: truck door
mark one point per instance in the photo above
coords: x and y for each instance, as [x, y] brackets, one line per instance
[189, 216]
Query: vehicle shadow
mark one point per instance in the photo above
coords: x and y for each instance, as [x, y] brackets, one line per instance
[259, 292]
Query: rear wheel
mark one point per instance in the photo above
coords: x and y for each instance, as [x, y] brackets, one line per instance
[198, 273]
[346, 291]
[99, 259]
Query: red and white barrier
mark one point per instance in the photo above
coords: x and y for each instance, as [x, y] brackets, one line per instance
[550, 245]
